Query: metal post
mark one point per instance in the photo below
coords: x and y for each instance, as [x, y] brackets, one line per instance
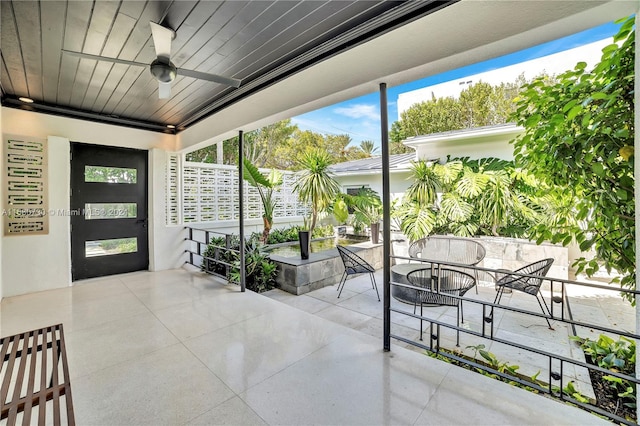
[241, 212]
[386, 216]
[636, 167]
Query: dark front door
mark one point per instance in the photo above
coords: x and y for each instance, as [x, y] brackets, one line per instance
[108, 211]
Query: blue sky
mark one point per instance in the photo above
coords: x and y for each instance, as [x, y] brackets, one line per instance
[360, 117]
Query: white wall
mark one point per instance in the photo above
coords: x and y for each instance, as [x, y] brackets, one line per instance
[475, 143]
[20, 122]
[398, 182]
[43, 262]
[166, 242]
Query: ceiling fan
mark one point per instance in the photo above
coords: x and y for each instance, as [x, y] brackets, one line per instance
[162, 68]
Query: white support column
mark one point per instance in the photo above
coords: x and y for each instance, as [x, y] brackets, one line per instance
[220, 152]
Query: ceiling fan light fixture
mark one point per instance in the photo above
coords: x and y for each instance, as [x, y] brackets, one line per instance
[162, 71]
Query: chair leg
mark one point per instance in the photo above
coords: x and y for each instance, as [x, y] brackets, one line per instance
[548, 311]
[458, 325]
[496, 300]
[343, 281]
[341, 278]
[373, 281]
[420, 320]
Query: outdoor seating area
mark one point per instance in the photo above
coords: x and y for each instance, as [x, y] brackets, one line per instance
[228, 357]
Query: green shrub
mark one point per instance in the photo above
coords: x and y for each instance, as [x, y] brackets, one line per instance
[260, 271]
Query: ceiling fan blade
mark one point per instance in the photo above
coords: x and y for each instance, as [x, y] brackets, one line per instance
[162, 37]
[233, 82]
[164, 90]
[103, 58]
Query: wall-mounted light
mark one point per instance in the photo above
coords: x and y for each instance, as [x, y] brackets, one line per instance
[25, 100]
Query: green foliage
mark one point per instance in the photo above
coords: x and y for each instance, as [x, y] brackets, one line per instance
[259, 146]
[284, 235]
[617, 356]
[366, 207]
[479, 197]
[579, 136]
[260, 272]
[315, 184]
[480, 104]
[368, 148]
[493, 362]
[265, 186]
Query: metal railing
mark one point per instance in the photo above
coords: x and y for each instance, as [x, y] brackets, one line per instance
[554, 380]
[200, 240]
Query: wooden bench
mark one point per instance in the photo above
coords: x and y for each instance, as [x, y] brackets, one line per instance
[34, 378]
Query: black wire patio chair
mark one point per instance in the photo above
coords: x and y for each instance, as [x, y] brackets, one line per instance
[438, 285]
[354, 265]
[527, 279]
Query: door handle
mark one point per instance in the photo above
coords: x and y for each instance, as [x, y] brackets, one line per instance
[143, 221]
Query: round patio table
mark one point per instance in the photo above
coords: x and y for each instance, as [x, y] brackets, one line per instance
[399, 274]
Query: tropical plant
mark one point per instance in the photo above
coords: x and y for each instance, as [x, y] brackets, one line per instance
[617, 356]
[260, 271]
[315, 184]
[470, 197]
[579, 136]
[368, 147]
[265, 186]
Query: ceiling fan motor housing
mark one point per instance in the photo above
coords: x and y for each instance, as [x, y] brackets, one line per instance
[163, 71]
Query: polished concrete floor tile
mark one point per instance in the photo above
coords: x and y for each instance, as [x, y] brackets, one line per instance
[96, 348]
[343, 316]
[246, 353]
[233, 412]
[302, 302]
[350, 381]
[170, 386]
[181, 347]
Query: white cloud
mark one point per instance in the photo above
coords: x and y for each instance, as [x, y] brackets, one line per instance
[368, 111]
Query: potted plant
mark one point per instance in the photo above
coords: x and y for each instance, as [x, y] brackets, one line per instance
[315, 184]
[304, 239]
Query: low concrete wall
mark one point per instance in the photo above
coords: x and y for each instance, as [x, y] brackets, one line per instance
[507, 253]
[512, 253]
[322, 269]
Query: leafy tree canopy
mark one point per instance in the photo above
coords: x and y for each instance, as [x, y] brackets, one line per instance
[480, 104]
[282, 145]
[579, 135]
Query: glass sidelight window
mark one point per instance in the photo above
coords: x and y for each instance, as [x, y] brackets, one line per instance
[110, 211]
[103, 174]
[110, 247]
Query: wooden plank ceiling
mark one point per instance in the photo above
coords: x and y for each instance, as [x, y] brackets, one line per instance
[259, 42]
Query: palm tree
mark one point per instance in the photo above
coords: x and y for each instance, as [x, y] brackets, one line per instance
[368, 148]
[315, 184]
[265, 186]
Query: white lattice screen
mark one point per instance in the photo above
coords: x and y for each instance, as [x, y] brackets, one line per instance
[26, 191]
[210, 193]
[173, 189]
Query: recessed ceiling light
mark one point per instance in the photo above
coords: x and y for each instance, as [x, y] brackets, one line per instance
[26, 100]
[170, 126]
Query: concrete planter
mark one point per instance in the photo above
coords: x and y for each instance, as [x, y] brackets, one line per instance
[322, 269]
